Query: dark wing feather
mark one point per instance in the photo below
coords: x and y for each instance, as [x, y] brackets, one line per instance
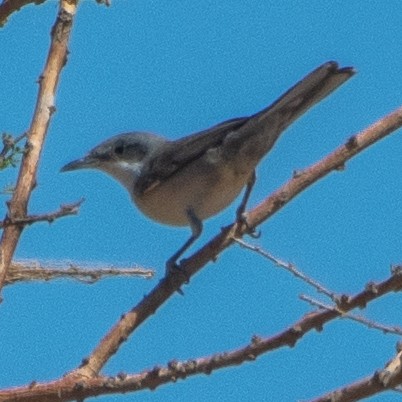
[179, 153]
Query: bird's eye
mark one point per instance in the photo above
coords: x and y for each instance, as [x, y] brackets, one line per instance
[119, 149]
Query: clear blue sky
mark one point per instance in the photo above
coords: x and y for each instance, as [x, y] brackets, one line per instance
[174, 68]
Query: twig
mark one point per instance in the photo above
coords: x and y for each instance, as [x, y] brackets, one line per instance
[34, 271]
[44, 109]
[288, 266]
[382, 380]
[321, 289]
[7, 7]
[358, 318]
[64, 210]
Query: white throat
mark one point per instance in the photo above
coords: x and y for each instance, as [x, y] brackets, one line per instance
[126, 173]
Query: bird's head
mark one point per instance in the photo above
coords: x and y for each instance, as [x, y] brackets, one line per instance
[122, 156]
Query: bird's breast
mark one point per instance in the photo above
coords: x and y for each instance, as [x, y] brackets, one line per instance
[207, 186]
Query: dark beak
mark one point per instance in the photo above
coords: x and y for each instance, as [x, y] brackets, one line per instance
[87, 162]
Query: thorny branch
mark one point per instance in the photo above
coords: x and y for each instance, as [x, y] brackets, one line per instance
[23, 271]
[64, 210]
[288, 267]
[362, 320]
[45, 107]
[388, 378]
[7, 7]
[320, 289]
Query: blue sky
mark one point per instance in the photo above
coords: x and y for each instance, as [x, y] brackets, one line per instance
[174, 68]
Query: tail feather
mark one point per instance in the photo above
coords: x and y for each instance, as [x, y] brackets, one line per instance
[260, 132]
[310, 90]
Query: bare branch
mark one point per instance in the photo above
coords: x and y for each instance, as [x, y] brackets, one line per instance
[79, 384]
[23, 271]
[171, 283]
[358, 318]
[64, 210]
[44, 109]
[382, 380]
[7, 7]
[321, 289]
[289, 267]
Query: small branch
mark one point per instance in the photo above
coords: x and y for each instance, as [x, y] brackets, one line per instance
[70, 388]
[33, 271]
[321, 289]
[64, 210]
[289, 267]
[358, 318]
[45, 107]
[7, 7]
[382, 380]
[168, 286]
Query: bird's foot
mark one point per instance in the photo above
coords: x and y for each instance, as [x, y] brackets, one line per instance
[242, 219]
[176, 273]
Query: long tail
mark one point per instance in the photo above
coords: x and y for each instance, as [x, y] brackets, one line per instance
[259, 133]
[310, 90]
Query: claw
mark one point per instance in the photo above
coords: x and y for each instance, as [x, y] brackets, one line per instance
[252, 232]
[172, 270]
[171, 267]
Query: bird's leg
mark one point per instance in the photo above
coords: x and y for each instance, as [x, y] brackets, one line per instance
[246, 196]
[241, 215]
[196, 229]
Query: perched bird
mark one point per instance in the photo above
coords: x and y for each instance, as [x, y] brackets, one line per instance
[185, 181]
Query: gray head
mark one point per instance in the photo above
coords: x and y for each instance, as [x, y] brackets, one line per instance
[122, 156]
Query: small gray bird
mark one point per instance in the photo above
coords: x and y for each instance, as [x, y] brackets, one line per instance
[183, 182]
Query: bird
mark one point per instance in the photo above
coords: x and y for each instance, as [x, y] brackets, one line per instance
[186, 181]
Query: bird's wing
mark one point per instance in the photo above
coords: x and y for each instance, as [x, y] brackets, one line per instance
[270, 122]
[177, 154]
